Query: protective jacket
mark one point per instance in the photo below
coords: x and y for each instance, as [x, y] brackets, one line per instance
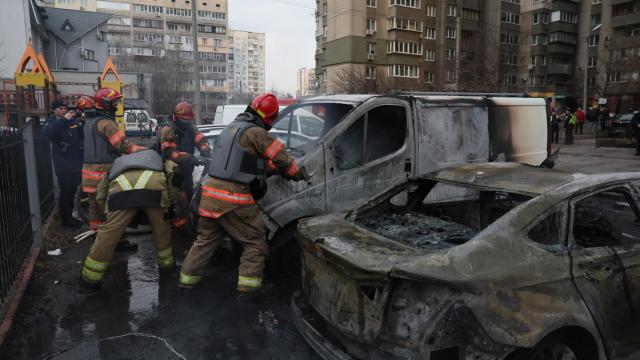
[244, 141]
[137, 181]
[66, 137]
[179, 139]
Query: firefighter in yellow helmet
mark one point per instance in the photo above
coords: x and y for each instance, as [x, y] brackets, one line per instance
[244, 152]
[140, 182]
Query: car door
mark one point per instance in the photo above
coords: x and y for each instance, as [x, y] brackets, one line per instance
[369, 154]
[605, 251]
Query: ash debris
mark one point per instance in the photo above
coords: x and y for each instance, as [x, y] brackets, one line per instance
[417, 229]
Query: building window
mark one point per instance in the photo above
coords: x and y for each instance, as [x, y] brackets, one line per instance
[372, 3]
[372, 25]
[538, 60]
[408, 3]
[509, 79]
[431, 10]
[370, 72]
[509, 38]
[451, 33]
[450, 76]
[65, 2]
[540, 18]
[211, 15]
[596, 19]
[594, 40]
[428, 77]
[471, 15]
[430, 33]
[147, 8]
[404, 24]
[538, 39]
[431, 55]
[563, 37]
[564, 16]
[452, 10]
[512, 1]
[404, 47]
[408, 71]
[536, 81]
[451, 54]
[615, 76]
[593, 61]
[146, 23]
[509, 59]
[510, 18]
[594, 2]
[114, 50]
[119, 20]
[371, 48]
[178, 12]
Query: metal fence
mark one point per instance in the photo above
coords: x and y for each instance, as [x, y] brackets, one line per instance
[26, 197]
[16, 234]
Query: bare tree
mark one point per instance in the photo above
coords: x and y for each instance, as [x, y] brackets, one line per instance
[352, 80]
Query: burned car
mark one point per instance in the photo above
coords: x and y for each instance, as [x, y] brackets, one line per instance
[478, 261]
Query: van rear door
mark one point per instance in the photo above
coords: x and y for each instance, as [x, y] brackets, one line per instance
[369, 152]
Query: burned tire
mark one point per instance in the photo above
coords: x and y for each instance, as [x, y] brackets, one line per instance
[555, 347]
[82, 205]
[285, 254]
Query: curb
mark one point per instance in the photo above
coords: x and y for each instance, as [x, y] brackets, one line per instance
[15, 300]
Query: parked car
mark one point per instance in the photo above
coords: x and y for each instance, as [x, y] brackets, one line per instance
[138, 123]
[525, 263]
[370, 143]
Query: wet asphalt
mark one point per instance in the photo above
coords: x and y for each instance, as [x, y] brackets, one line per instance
[139, 314]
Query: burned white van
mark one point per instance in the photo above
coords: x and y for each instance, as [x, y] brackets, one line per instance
[370, 143]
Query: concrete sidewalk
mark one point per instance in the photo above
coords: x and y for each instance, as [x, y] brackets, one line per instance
[584, 157]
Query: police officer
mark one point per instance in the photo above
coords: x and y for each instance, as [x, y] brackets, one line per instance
[64, 131]
[104, 142]
[179, 137]
[243, 154]
[139, 182]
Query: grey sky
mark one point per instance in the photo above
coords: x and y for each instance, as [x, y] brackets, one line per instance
[289, 26]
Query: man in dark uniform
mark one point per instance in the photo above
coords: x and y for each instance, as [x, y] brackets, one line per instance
[635, 124]
[64, 131]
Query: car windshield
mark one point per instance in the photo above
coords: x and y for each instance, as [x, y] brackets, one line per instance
[431, 215]
[625, 117]
[131, 118]
[142, 117]
[315, 119]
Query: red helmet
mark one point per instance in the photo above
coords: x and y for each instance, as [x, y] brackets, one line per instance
[105, 97]
[183, 111]
[266, 105]
[85, 103]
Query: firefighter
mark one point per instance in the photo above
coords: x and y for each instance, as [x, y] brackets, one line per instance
[179, 137]
[104, 142]
[140, 182]
[244, 152]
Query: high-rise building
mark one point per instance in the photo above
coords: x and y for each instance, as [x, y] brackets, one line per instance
[155, 36]
[378, 45]
[246, 65]
[306, 82]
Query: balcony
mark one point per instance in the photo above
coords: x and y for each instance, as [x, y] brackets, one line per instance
[561, 69]
[559, 48]
[618, 2]
[625, 20]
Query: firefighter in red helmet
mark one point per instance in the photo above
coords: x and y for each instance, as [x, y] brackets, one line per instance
[104, 142]
[243, 155]
[179, 137]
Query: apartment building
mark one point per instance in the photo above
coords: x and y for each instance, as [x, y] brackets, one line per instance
[155, 36]
[246, 65]
[439, 45]
[306, 79]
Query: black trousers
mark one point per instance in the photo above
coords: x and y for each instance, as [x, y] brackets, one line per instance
[568, 135]
[68, 182]
[555, 134]
[580, 128]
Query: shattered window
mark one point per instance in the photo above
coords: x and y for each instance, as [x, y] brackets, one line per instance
[547, 232]
[386, 131]
[348, 146]
[608, 218]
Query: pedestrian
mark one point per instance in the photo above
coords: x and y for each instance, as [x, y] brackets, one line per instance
[136, 183]
[178, 139]
[104, 142]
[580, 118]
[592, 119]
[603, 118]
[569, 126]
[635, 124]
[555, 127]
[244, 153]
[64, 131]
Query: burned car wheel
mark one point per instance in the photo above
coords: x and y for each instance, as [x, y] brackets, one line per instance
[285, 256]
[553, 352]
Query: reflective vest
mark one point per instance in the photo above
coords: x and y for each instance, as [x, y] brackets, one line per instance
[230, 162]
[97, 149]
[137, 181]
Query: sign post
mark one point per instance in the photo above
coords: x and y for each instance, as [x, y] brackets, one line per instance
[116, 85]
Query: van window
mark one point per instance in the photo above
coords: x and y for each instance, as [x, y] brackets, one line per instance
[131, 118]
[348, 146]
[284, 124]
[386, 131]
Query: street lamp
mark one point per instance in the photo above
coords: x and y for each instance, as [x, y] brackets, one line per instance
[586, 64]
